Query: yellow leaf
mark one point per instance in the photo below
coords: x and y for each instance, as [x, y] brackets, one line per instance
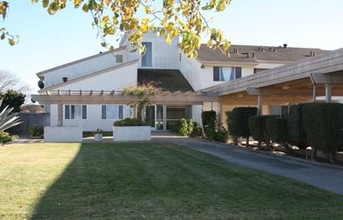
[170, 26]
[108, 2]
[77, 3]
[168, 39]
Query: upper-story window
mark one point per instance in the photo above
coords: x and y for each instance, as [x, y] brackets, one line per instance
[147, 57]
[226, 73]
[75, 111]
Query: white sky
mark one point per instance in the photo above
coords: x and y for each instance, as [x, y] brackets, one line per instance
[48, 41]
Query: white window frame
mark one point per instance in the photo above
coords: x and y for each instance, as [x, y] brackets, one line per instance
[112, 112]
[226, 73]
[78, 112]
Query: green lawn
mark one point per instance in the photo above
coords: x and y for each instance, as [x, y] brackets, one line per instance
[147, 181]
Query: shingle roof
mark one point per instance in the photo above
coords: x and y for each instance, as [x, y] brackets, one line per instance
[253, 54]
[167, 80]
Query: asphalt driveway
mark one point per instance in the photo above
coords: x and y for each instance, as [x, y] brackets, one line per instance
[325, 176]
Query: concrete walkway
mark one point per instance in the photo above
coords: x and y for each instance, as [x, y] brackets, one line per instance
[325, 176]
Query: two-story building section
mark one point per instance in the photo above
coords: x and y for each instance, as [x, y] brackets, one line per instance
[86, 92]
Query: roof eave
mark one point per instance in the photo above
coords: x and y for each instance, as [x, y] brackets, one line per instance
[42, 73]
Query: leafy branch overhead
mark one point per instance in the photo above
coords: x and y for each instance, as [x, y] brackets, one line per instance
[4, 34]
[168, 19]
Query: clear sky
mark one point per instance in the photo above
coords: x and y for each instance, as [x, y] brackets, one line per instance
[49, 41]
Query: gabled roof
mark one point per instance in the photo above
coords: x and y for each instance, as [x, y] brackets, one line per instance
[56, 86]
[243, 54]
[167, 80]
[79, 61]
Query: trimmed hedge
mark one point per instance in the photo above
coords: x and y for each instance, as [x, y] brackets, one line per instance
[258, 128]
[129, 122]
[277, 129]
[238, 121]
[209, 123]
[296, 132]
[323, 123]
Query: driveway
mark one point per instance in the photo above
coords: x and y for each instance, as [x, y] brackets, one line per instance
[325, 176]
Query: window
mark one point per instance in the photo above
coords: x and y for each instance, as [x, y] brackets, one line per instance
[119, 58]
[75, 112]
[147, 57]
[281, 111]
[226, 73]
[112, 112]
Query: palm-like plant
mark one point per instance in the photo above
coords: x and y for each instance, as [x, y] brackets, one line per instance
[8, 120]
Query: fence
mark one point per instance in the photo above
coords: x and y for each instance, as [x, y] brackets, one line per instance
[28, 120]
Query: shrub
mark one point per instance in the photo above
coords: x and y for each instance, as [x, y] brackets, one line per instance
[197, 130]
[296, 132]
[186, 127]
[209, 121]
[222, 134]
[36, 131]
[5, 137]
[208, 117]
[277, 129]
[258, 130]
[129, 122]
[238, 122]
[323, 126]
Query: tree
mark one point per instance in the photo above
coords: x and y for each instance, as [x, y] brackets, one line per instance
[167, 18]
[143, 92]
[10, 81]
[12, 99]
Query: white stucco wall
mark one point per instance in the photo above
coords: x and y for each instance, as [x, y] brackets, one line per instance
[83, 67]
[196, 114]
[201, 78]
[115, 79]
[53, 115]
[164, 56]
[94, 120]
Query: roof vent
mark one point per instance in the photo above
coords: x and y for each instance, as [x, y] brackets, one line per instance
[285, 45]
[65, 79]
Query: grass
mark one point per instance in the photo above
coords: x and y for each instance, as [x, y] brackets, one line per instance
[147, 181]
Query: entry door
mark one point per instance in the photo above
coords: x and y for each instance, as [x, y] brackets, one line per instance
[150, 116]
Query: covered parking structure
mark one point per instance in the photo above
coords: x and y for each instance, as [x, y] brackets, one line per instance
[300, 82]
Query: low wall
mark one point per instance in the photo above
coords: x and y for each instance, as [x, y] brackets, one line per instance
[131, 133]
[63, 134]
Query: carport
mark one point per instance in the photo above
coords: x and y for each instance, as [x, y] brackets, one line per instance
[300, 82]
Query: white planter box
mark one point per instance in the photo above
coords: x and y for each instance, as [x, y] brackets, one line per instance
[131, 133]
[63, 134]
[98, 137]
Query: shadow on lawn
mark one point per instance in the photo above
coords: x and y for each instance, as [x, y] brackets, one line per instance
[86, 189]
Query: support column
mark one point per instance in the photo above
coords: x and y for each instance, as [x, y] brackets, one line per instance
[314, 94]
[60, 114]
[259, 104]
[328, 93]
[164, 117]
